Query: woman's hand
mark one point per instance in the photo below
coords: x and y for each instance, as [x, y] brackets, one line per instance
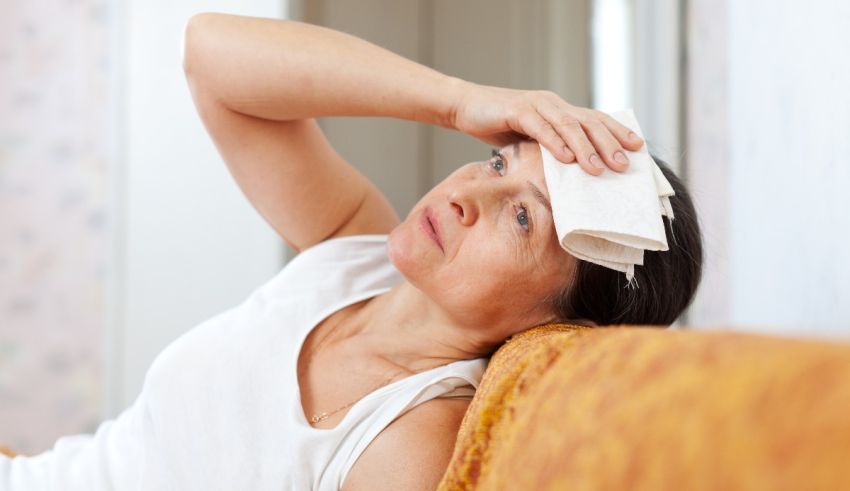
[500, 116]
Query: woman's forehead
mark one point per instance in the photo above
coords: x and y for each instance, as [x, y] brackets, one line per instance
[525, 157]
[525, 153]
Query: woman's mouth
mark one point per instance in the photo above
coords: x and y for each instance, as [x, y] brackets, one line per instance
[429, 224]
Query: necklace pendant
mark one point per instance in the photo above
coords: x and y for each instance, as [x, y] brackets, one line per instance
[319, 417]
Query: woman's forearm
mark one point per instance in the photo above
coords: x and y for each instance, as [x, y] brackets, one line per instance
[283, 70]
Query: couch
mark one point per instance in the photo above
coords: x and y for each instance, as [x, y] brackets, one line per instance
[642, 408]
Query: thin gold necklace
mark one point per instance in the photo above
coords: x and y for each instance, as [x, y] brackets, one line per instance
[317, 418]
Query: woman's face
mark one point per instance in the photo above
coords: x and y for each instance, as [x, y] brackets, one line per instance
[482, 243]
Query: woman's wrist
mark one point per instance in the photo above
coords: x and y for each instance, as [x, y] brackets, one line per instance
[436, 100]
[456, 92]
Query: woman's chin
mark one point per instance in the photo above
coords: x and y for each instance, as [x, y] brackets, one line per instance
[403, 250]
[399, 247]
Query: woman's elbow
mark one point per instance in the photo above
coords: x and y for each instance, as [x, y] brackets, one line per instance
[191, 40]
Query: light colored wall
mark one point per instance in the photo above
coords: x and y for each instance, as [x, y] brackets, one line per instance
[769, 154]
[120, 227]
[658, 79]
[55, 169]
[637, 63]
[191, 246]
[708, 154]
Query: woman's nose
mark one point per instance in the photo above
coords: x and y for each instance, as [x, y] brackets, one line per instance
[466, 213]
[467, 202]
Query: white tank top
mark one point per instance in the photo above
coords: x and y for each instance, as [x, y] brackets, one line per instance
[221, 409]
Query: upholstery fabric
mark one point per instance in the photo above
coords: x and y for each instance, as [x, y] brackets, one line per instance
[564, 407]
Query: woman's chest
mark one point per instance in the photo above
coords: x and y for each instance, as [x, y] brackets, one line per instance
[334, 377]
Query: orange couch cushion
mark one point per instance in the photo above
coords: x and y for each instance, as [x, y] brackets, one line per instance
[563, 407]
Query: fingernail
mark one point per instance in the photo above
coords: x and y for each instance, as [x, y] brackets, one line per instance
[633, 136]
[621, 158]
[596, 161]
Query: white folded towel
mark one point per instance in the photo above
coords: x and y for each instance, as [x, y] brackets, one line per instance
[612, 218]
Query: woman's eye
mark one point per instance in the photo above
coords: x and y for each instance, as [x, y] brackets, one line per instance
[522, 218]
[497, 163]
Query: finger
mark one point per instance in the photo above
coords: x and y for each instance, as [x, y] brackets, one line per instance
[571, 131]
[628, 138]
[539, 129]
[606, 145]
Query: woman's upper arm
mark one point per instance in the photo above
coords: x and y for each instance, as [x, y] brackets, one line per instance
[290, 173]
[411, 453]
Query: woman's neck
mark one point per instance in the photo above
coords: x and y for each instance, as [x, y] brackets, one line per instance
[407, 329]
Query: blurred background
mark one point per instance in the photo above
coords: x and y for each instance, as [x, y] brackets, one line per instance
[120, 228]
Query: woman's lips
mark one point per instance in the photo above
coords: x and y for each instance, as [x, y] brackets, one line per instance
[429, 224]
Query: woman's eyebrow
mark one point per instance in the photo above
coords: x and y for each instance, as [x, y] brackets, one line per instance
[540, 196]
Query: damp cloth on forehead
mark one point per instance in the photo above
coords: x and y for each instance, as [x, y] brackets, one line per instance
[610, 219]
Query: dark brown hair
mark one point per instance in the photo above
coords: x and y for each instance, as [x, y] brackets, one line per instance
[664, 286]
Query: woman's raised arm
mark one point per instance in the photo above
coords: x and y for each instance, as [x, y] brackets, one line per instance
[285, 70]
[258, 84]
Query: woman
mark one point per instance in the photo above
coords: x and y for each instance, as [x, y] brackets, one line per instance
[353, 367]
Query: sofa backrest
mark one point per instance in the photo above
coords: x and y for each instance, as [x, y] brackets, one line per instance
[563, 407]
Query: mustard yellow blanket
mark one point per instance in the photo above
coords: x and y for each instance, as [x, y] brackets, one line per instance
[564, 407]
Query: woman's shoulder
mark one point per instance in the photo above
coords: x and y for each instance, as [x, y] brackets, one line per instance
[341, 250]
[346, 243]
[354, 262]
[413, 451]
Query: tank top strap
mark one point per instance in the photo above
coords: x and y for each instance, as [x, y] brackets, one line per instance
[453, 378]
